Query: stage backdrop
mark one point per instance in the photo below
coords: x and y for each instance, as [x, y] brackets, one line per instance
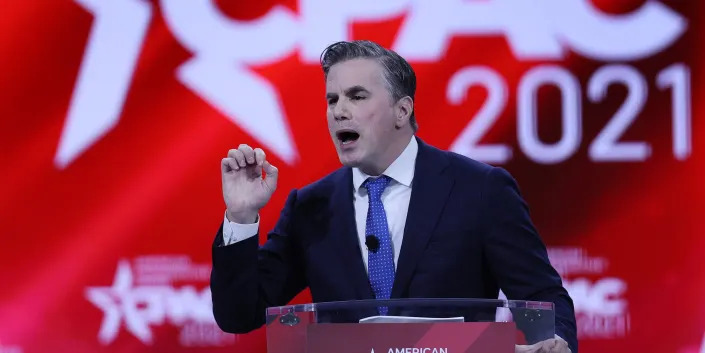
[115, 115]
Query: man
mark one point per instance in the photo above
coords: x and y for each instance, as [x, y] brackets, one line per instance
[399, 219]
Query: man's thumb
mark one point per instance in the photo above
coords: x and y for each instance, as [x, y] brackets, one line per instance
[272, 175]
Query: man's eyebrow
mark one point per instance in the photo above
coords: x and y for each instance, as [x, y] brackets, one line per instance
[348, 92]
[355, 90]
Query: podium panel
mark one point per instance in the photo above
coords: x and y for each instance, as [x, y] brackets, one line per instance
[410, 326]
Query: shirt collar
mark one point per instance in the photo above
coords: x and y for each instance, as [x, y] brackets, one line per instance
[401, 170]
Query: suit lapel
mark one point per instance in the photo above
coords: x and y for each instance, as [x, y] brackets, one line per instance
[346, 240]
[429, 191]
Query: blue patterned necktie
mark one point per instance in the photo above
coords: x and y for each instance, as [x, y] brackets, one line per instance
[381, 261]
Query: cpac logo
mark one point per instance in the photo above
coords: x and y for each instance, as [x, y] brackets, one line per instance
[600, 308]
[603, 297]
[141, 306]
[224, 47]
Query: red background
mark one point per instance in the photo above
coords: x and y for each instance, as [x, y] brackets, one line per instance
[151, 184]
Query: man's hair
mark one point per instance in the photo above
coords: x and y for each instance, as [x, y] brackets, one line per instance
[400, 77]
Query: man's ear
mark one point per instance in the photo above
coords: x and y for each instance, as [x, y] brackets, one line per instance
[403, 109]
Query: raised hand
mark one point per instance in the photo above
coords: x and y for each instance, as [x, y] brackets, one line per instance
[245, 189]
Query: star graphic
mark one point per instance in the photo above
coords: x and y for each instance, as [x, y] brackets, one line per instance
[119, 302]
[107, 70]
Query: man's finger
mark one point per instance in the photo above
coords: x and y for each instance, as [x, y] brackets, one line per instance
[559, 346]
[238, 157]
[272, 175]
[523, 348]
[228, 165]
[258, 171]
[248, 152]
[260, 157]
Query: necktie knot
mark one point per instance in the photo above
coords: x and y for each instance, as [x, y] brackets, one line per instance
[375, 186]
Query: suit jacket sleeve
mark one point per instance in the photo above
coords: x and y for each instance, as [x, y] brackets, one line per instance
[246, 278]
[516, 255]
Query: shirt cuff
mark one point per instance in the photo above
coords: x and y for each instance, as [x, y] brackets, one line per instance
[236, 232]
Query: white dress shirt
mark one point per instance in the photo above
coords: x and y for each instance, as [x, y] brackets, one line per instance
[395, 199]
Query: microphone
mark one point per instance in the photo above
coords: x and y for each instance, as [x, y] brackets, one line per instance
[372, 243]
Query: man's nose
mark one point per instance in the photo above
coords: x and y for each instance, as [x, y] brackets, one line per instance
[340, 111]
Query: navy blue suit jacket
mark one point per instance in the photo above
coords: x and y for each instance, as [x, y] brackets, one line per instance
[467, 234]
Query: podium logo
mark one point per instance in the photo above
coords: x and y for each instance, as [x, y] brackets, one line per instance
[143, 295]
[415, 350]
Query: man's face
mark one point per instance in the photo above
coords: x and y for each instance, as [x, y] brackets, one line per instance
[361, 114]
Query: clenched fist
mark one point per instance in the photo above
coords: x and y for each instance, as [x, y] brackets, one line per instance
[245, 189]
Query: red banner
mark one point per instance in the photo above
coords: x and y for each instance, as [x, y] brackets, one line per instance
[115, 115]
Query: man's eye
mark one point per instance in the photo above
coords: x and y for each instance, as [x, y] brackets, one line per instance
[332, 101]
[357, 98]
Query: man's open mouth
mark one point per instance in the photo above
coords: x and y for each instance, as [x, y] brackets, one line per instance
[347, 136]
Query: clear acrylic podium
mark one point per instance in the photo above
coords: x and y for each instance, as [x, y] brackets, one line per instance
[409, 326]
